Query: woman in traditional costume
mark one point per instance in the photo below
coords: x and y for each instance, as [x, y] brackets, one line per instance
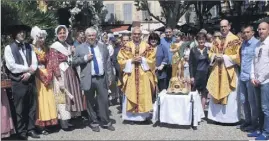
[7, 126]
[46, 108]
[67, 91]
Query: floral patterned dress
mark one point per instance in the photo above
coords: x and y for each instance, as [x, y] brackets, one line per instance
[46, 110]
[65, 104]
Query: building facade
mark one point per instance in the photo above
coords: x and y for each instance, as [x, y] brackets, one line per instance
[126, 12]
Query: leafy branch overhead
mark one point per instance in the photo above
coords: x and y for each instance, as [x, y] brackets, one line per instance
[172, 10]
[25, 12]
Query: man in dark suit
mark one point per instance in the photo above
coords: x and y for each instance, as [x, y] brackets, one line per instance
[96, 74]
[21, 63]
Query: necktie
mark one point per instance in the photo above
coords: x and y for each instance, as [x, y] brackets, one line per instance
[95, 63]
[23, 50]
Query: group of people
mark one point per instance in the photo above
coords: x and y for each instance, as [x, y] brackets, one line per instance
[53, 84]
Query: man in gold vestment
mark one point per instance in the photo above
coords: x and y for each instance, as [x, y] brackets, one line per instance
[137, 61]
[222, 82]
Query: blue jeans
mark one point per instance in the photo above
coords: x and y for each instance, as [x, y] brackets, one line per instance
[263, 92]
[249, 100]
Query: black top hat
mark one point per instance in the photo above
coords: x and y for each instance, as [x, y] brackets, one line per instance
[15, 29]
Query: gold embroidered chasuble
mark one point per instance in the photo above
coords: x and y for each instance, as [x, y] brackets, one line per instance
[222, 80]
[138, 85]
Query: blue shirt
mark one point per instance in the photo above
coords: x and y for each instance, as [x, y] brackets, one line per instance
[76, 43]
[99, 59]
[161, 58]
[247, 54]
[166, 44]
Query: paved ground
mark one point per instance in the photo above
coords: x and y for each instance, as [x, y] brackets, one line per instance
[205, 131]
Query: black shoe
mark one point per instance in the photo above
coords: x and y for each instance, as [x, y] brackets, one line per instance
[22, 136]
[69, 124]
[244, 125]
[147, 121]
[131, 122]
[249, 129]
[95, 128]
[110, 128]
[44, 132]
[33, 134]
[68, 129]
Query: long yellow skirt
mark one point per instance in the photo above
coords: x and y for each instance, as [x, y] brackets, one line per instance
[46, 111]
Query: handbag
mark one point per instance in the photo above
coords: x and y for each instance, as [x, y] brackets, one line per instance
[5, 81]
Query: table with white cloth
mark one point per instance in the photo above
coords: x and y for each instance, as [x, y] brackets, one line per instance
[178, 109]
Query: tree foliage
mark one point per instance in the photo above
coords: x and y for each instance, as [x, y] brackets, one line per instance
[202, 9]
[172, 10]
[59, 12]
[25, 12]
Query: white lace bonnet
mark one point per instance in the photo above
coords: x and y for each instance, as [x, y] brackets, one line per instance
[66, 30]
[37, 32]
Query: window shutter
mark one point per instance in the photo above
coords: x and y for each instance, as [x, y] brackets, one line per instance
[110, 13]
[128, 12]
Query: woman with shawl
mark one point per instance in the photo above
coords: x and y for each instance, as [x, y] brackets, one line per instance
[46, 108]
[67, 91]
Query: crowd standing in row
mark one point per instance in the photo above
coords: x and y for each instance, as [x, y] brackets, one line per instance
[52, 85]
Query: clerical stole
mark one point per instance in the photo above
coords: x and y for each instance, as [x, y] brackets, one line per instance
[222, 80]
[139, 82]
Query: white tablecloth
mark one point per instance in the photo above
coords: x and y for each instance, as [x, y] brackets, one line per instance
[177, 109]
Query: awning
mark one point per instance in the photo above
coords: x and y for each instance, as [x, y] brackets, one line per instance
[124, 32]
[150, 26]
[121, 28]
[145, 32]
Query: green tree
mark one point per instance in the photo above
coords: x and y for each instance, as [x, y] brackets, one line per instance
[25, 12]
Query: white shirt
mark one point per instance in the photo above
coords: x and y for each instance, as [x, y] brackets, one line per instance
[208, 45]
[18, 68]
[99, 59]
[260, 63]
[110, 50]
[187, 52]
